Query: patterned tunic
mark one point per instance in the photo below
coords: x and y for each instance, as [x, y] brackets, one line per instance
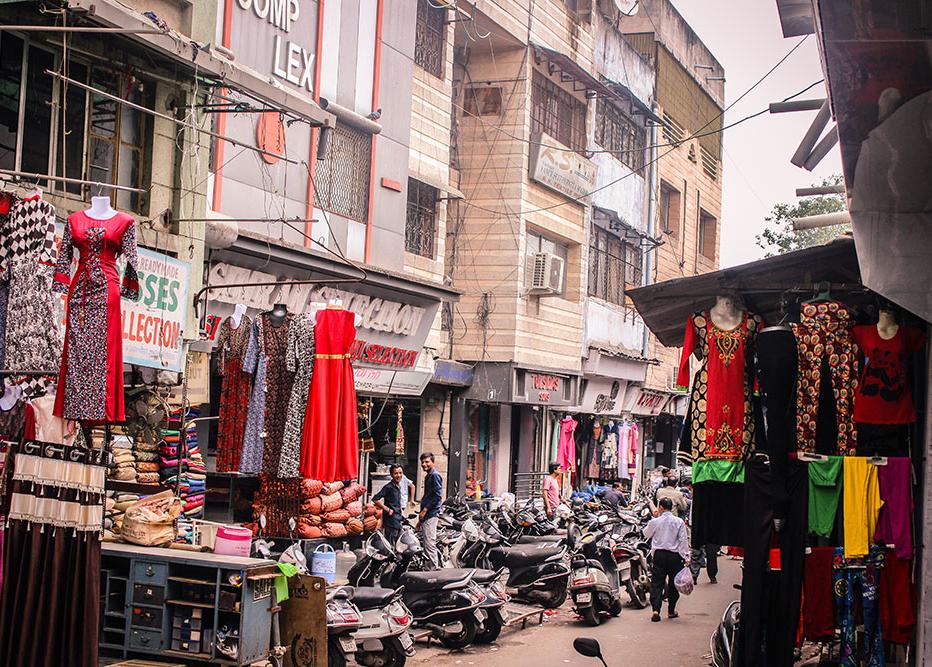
[90, 384]
[721, 417]
[26, 260]
[824, 342]
[234, 394]
[299, 359]
[265, 425]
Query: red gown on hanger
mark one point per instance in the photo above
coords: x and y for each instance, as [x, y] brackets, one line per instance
[90, 384]
[329, 440]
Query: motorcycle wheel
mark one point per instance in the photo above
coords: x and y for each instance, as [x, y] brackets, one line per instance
[464, 637]
[615, 608]
[590, 615]
[637, 591]
[490, 630]
[335, 657]
[554, 598]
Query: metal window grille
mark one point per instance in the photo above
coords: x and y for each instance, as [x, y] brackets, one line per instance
[556, 112]
[429, 37]
[614, 266]
[673, 132]
[709, 163]
[421, 222]
[342, 178]
[616, 131]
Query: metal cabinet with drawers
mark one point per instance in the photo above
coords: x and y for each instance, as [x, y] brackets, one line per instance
[181, 603]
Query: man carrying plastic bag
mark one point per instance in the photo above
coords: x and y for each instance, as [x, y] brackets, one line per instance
[670, 551]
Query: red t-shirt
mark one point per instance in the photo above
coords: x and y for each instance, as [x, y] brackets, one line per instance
[883, 395]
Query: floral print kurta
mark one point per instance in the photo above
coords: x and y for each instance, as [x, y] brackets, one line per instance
[265, 424]
[26, 266]
[234, 393]
[299, 359]
[90, 383]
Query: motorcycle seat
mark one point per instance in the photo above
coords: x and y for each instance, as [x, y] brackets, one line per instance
[372, 597]
[522, 555]
[484, 576]
[540, 539]
[419, 582]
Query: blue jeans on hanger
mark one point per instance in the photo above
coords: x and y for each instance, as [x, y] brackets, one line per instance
[847, 575]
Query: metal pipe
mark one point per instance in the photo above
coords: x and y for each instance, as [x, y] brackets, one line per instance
[63, 179]
[152, 112]
[648, 259]
[350, 117]
[796, 105]
[821, 190]
[822, 220]
[812, 135]
[821, 150]
[55, 28]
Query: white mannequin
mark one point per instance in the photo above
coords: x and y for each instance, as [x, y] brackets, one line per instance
[886, 324]
[100, 209]
[725, 313]
[237, 315]
[337, 304]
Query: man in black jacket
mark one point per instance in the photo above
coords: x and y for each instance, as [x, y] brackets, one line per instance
[429, 516]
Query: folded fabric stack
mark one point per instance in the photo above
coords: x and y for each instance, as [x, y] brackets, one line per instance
[123, 465]
[182, 465]
[147, 462]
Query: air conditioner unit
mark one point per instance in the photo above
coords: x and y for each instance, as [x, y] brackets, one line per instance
[546, 274]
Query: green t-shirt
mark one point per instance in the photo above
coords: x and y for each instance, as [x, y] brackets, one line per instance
[824, 491]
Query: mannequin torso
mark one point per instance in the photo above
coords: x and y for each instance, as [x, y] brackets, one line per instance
[277, 314]
[886, 325]
[237, 315]
[100, 209]
[725, 314]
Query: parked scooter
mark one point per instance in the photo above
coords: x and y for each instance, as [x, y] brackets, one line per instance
[383, 639]
[343, 620]
[595, 584]
[722, 641]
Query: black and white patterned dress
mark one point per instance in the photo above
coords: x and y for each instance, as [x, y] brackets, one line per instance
[299, 359]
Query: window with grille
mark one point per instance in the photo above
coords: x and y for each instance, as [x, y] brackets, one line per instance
[617, 132]
[614, 266]
[558, 113]
[421, 223]
[669, 209]
[341, 180]
[708, 228]
[430, 30]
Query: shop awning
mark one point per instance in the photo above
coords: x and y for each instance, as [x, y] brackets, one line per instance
[207, 63]
[665, 306]
[571, 71]
[638, 108]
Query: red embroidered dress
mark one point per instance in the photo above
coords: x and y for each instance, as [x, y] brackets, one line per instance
[721, 419]
[90, 384]
[329, 447]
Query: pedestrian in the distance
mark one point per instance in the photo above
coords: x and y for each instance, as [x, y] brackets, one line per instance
[550, 489]
[670, 550]
[670, 490]
[431, 499]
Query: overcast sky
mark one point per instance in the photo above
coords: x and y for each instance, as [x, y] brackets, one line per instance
[745, 37]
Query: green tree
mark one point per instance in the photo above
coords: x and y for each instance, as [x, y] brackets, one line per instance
[780, 237]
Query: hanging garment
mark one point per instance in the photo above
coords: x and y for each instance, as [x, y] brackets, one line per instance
[818, 596]
[26, 265]
[624, 450]
[824, 492]
[566, 448]
[366, 443]
[90, 384]
[329, 441]
[609, 450]
[271, 389]
[825, 347]
[850, 579]
[717, 514]
[236, 389]
[883, 395]
[883, 439]
[721, 426]
[894, 525]
[897, 601]
[634, 436]
[776, 371]
[6, 201]
[299, 359]
[862, 505]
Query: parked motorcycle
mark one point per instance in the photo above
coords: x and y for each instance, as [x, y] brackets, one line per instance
[343, 620]
[722, 641]
[595, 585]
[383, 639]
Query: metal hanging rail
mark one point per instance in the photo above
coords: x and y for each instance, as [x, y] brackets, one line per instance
[58, 28]
[63, 179]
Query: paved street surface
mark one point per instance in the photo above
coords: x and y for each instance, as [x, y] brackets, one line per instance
[630, 639]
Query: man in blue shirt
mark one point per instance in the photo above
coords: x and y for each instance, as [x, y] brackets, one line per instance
[670, 549]
[389, 500]
[431, 499]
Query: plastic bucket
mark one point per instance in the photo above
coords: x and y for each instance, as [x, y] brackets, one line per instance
[233, 541]
[324, 563]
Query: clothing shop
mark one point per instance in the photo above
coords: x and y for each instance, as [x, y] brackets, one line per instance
[814, 476]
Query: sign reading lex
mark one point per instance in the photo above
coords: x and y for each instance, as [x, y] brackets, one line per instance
[290, 60]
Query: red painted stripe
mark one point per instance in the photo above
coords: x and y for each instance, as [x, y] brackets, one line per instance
[221, 118]
[375, 105]
[312, 161]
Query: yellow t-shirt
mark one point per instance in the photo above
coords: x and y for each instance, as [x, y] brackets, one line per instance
[861, 505]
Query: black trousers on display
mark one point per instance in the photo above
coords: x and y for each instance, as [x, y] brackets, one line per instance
[777, 366]
[665, 566]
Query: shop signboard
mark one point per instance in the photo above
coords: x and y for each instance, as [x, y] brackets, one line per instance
[153, 326]
[603, 396]
[394, 382]
[452, 373]
[544, 387]
[646, 402]
[565, 171]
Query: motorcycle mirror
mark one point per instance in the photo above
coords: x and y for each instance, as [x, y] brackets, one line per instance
[588, 647]
[292, 524]
[262, 521]
[603, 518]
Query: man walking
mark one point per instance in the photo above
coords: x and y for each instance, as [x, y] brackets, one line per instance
[431, 499]
[389, 500]
[550, 489]
[670, 490]
[670, 550]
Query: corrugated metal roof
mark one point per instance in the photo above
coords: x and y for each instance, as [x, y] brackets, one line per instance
[665, 306]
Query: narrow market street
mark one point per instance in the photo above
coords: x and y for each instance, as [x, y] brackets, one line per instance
[630, 639]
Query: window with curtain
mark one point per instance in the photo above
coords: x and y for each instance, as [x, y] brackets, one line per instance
[557, 112]
[616, 131]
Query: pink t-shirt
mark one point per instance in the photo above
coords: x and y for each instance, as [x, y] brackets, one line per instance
[552, 490]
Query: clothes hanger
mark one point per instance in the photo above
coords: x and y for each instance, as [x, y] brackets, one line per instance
[825, 293]
[781, 325]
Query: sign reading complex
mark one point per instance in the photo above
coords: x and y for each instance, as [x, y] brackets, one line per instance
[272, 24]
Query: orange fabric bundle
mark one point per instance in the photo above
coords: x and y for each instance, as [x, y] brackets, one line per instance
[371, 509]
[352, 492]
[337, 516]
[334, 530]
[309, 532]
[354, 508]
[311, 487]
[354, 527]
[312, 505]
[332, 487]
[313, 519]
[371, 524]
[331, 502]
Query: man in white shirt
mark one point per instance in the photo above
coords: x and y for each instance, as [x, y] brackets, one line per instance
[670, 550]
